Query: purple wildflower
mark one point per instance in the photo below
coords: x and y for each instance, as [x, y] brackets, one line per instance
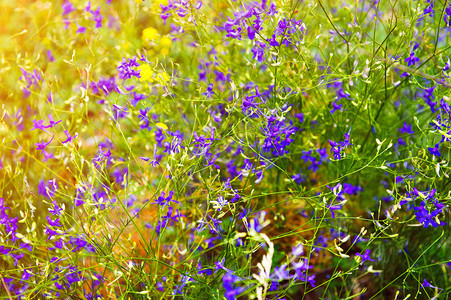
[153, 162]
[70, 138]
[67, 7]
[338, 147]
[42, 145]
[209, 91]
[365, 257]
[412, 59]
[406, 128]
[435, 151]
[126, 68]
[427, 284]
[136, 98]
[426, 217]
[336, 107]
[162, 201]
[229, 282]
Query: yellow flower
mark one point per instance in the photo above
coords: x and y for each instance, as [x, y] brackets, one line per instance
[165, 41]
[149, 33]
[126, 45]
[162, 126]
[163, 78]
[157, 3]
[146, 73]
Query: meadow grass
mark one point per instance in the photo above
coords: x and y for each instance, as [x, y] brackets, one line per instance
[183, 149]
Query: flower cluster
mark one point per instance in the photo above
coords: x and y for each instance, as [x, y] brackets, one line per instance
[429, 208]
[277, 135]
[338, 147]
[179, 7]
[32, 79]
[127, 68]
[172, 215]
